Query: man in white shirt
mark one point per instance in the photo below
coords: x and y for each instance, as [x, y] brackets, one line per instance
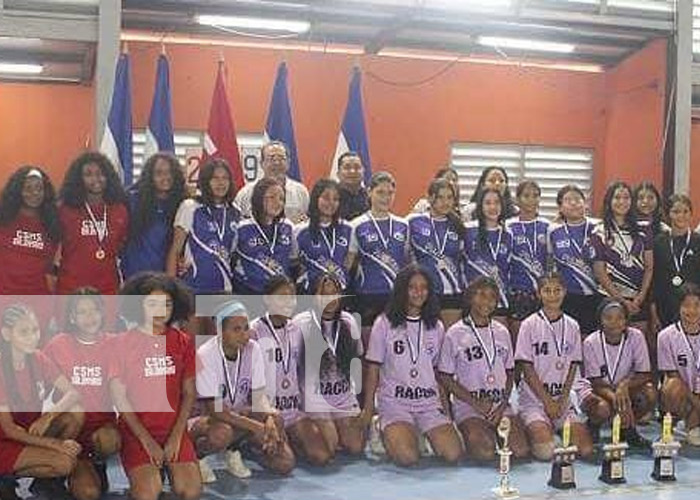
[275, 163]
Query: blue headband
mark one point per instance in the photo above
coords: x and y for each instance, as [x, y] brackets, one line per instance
[233, 309]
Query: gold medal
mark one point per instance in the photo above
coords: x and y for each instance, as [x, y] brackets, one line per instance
[286, 383]
[100, 254]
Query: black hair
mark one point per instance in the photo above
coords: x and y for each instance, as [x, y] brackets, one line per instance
[347, 154]
[314, 212]
[398, 303]
[528, 183]
[678, 198]
[10, 316]
[442, 172]
[688, 290]
[608, 302]
[142, 284]
[454, 220]
[276, 282]
[11, 201]
[551, 276]
[257, 200]
[482, 237]
[657, 215]
[82, 293]
[142, 213]
[509, 205]
[479, 283]
[73, 192]
[381, 177]
[563, 191]
[206, 173]
[631, 223]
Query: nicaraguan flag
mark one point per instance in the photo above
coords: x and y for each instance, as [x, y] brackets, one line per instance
[279, 125]
[117, 140]
[353, 134]
[159, 134]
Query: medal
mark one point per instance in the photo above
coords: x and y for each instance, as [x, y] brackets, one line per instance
[612, 373]
[385, 241]
[329, 244]
[559, 365]
[286, 383]
[333, 341]
[489, 355]
[100, 254]
[439, 245]
[231, 386]
[578, 247]
[491, 379]
[496, 251]
[558, 345]
[414, 372]
[677, 280]
[536, 267]
[626, 258]
[100, 229]
[414, 350]
[286, 357]
[694, 355]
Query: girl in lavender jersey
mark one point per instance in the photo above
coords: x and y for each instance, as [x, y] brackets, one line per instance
[437, 244]
[624, 261]
[265, 242]
[488, 245]
[234, 406]
[549, 354]
[616, 361]
[476, 368]
[331, 336]
[569, 244]
[679, 360]
[529, 254]
[282, 343]
[401, 359]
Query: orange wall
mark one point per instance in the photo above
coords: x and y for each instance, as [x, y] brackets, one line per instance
[410, 127]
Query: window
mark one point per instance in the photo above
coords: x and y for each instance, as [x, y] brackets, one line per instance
[550, 167]
[188, 149]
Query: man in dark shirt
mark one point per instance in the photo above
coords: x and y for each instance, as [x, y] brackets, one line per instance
[353, 196]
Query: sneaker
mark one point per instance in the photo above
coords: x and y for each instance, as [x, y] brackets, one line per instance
[49, 487]
[376, 445]
[205, 471]
[693, 436]
[235, 465]
[8, 489]
[636, 441]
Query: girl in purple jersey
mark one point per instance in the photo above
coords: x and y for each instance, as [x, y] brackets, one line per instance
[401, 360]
[616, 362]
[550, 357]
[476, 368]
[624, 261]
[331, 337]
[488, 246]
[282, 343]
[679, 360]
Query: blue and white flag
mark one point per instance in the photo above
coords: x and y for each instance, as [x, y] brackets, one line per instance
[353, 134]
[279, 125]
[117, 142]
[159, 134]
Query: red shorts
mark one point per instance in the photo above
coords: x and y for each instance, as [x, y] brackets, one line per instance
[9, 453]
[134, 455]
[93, 422]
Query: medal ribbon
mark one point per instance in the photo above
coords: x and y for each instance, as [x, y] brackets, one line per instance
[100, 229]
[613, 372]
[286, 357]
[490, 356]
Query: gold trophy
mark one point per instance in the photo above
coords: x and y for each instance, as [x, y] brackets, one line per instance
[504, 488]
[613, 471]
[665, 451]
[562, 476]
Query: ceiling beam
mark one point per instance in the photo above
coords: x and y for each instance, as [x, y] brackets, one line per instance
[47, 26]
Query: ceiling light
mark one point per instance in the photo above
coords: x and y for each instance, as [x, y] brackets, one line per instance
[21, 69]
[254, 23]
[524, 44]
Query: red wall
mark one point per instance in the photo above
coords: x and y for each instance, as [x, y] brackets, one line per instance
[619, 114]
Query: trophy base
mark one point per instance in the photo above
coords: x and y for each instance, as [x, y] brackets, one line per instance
[506, 493]
[664, 470]
[562, 476]
[613, 472]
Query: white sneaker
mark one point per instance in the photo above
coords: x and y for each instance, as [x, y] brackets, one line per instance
[235, 465]
[693, 436]
[376, 445]
[205, 471]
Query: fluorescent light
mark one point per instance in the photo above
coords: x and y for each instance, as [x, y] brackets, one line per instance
[255, 23]
[520, 43]
[642, 5]
[21, 69]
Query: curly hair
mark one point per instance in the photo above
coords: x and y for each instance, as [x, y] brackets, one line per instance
[73, 192]
[11, 201]
[398, 303]
[142, 284]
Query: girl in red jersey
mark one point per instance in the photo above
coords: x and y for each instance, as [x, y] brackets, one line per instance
[32, 444]
[152, 381]
[82, 355]
[95, 222]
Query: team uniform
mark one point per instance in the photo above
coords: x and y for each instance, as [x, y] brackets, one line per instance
[676, 261]
[479, 359]
[283, 351]
[212, 233]
[328, 392]
[527, 265]
[551, 347]
[263, 252]
[615, 363]
[622, 251]
[408, 390]
[324, 252]
[491, 262]
[439, 249]
[382, 247]
[573, 254]
[153, 368]
[86, 366]
[680, 352]
[93, 236]
[147, 251]
[42, 376]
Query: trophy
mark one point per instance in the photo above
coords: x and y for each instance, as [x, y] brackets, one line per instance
[504, 489]
[665, 452]
[562, 476]
[613, 471]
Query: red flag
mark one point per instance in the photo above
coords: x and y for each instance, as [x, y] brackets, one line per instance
[220, 141]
